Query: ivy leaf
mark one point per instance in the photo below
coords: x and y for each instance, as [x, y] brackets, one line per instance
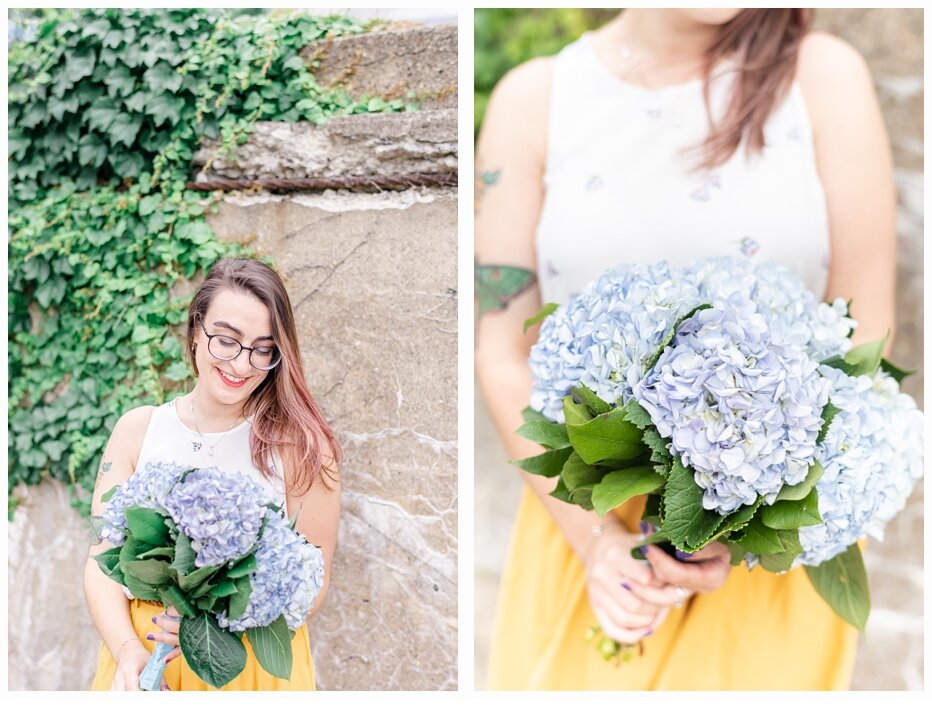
[686, 522]
[164, 108]
[124, 128]
[101, 116]
[162, 77]
[80, 63]
[842, 582]
[120, 82]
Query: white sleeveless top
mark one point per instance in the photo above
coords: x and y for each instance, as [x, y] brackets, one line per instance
[618, 188]
[168, 440]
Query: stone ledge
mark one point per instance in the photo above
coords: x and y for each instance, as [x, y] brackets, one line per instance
[391, 63]
[368, 144]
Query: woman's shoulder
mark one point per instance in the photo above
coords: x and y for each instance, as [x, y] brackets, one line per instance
[130, 429]
[823, 56]
[525, 89]
[830, 66]
[835, 79]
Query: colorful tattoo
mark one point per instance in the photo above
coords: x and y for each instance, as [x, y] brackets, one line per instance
[498, 285]
[104, 468]
[484, 180]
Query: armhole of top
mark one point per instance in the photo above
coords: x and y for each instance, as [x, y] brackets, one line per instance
[797, 100]
[549, 125]
[146, 438]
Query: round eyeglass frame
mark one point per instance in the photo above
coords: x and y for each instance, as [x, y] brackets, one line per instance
[210, 338]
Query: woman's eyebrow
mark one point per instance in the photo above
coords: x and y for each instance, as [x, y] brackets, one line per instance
[227, 325]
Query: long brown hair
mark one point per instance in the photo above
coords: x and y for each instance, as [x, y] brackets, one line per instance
[285, 415]
[763, 44]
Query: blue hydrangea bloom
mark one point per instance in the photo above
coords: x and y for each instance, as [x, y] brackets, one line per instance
[820, 329]
[146, 488]
[289, 573]
[741, 406]
[604, 336]
[872, 454]
[220, 512]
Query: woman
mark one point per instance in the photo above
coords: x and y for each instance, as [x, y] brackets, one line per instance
[250, 411]
[672, 135]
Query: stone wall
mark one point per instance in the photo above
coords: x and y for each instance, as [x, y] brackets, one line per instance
[891, 652]
[372, 279]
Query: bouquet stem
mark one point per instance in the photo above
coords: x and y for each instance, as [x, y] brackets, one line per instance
[151, 677]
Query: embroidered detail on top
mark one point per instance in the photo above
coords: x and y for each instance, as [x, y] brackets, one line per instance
[749, 246]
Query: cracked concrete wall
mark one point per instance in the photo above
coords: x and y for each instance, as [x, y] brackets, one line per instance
[890, 655]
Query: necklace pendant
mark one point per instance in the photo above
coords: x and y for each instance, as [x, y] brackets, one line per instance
[210, 451]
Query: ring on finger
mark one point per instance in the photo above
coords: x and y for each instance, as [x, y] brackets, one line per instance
[681, 592]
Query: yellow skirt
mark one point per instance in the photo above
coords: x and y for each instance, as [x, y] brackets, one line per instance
[180, 677]
[759, 631]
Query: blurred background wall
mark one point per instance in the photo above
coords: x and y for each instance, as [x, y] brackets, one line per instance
[891, 653]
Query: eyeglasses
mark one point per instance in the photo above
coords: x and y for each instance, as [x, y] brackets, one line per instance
[226, 349]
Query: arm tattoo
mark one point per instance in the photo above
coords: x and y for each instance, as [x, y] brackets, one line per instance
[498, 285]
[104, 468]
[484, 180]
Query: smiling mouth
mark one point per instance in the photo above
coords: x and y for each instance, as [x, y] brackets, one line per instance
[231, 380]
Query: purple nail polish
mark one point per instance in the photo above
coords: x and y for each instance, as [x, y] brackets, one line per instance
[645, 527]
[150, 637]
[648, 632]
[683, 555]
[626, 586]
[154, 620]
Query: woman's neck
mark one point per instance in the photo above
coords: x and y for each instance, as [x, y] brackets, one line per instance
[667, 36]
[210, 415]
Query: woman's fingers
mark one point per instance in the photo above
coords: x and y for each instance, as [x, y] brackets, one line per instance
[617, 631]
[167, 622]
[163, 637]
[662, 597]
[174, 653]
[696, 575]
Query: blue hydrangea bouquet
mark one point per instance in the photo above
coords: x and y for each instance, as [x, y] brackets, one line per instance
[732, 398]
[208, 544]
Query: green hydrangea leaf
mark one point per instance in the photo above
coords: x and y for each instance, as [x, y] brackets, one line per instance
[842, 582]
[686, 522]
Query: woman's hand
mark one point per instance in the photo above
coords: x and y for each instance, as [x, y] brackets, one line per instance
[702, 571]
[168, 622]
[627, 598]
[130, 661]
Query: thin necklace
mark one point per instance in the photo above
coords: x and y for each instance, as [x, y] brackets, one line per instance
[210, 448]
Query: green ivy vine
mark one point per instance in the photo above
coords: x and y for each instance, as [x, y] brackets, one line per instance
[106, 110]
